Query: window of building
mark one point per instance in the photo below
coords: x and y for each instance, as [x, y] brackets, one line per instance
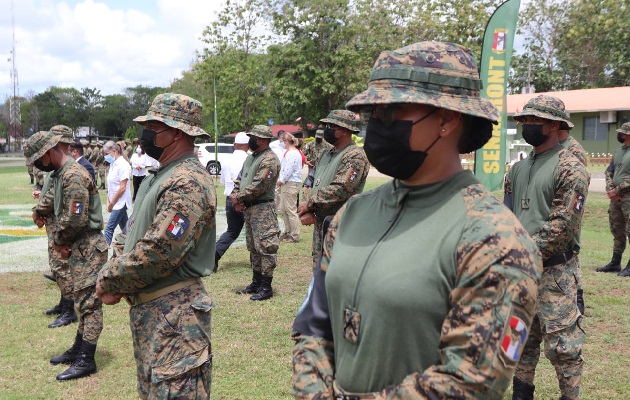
[594, 130]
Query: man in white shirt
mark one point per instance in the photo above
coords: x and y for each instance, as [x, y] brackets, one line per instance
[229, 172]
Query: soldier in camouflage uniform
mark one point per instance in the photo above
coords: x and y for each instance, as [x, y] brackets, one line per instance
[340, 173]
[547, 192]
[390, 315]
[39, 178]
[575, 148]
[168, 248]
[77, 237]
[254, 194]
[31, 173]
[100, 164]
[618, 190]
[313, 151]
[87, 152]
[59, 266]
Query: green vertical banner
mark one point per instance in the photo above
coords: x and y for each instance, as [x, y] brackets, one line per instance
[496, 53]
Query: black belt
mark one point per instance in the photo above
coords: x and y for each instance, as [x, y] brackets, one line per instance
[257, 202]
[560, 258]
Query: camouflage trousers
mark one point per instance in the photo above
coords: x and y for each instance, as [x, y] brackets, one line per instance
[172, 344]
[619, 220]
[89, 253]
[557, 323]
[102, 174]
[60, 269]
[318, 239]
[262, 237]
[90, 310]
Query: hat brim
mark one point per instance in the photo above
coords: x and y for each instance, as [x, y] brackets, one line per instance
[259, 135]
[186, 128]
[52, 142]
[340, 123]
[387, 92]
[566, 124]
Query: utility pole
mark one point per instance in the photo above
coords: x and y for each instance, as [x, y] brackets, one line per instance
[15, 116]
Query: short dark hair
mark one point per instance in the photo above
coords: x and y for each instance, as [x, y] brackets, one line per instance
[77, 146]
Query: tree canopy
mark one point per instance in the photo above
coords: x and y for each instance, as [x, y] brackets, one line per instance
[288, 60]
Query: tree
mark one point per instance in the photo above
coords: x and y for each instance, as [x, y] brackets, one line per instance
[89, 102]
[236, 63]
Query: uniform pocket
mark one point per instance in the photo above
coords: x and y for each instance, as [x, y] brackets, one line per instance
[181, 366]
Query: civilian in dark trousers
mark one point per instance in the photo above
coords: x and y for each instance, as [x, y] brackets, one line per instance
[230, 170]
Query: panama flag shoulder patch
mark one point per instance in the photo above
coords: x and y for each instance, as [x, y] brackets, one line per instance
[578, 204]
[514, 338]
[177, 227]
[77, 207]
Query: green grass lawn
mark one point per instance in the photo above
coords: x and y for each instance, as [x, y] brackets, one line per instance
[251, 345]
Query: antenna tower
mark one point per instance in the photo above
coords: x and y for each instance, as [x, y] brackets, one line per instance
[15, 116]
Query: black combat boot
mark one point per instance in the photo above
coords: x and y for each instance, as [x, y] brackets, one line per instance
[580, 300]
[252, 287]
[68, 315]
[71, 354]
[50, 277]
[265, 291]
[626, 271]
[522, 390]
[84, 365]
[613, 266]
[56, 310]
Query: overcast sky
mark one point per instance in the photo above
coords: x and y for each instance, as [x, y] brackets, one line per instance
[104, 44]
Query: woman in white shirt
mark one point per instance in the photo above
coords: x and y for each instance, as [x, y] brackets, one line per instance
[289, 183]
[139, 163]
[118, 189]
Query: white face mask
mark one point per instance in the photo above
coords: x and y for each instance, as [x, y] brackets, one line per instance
[138, 150]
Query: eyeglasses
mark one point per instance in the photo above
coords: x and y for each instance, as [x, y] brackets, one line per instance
[333, 127]
[385, 112]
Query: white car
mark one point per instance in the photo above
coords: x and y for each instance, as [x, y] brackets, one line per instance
[205, 153]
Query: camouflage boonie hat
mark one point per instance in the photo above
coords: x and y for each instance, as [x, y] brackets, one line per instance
[437, 74]
[177, 111]
[625, 129]
[319, 133]
[65, 132]
[99, 143]
[261, 131]
[38, 144]
[343, 118]
[546, 107]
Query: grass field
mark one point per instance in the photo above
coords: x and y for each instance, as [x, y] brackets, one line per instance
[251, 345]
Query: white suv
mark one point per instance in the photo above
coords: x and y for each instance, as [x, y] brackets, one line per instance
[205, 153]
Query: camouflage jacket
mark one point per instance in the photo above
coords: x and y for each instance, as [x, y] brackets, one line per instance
[313, 150]
[76, 204]
[418, 320]
[548, 191]
[257, 180]
[338, 176]
[576, 149]
[171, 233]
[618, 172]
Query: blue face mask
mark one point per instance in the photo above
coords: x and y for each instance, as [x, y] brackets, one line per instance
[109, 159]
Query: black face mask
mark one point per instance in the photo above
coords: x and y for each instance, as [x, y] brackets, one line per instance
[620, 137]
[387, 148]
[253, 144]
[318, 140]
[329, 136]
[147, 141]
[533, 134]
[46, 168]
